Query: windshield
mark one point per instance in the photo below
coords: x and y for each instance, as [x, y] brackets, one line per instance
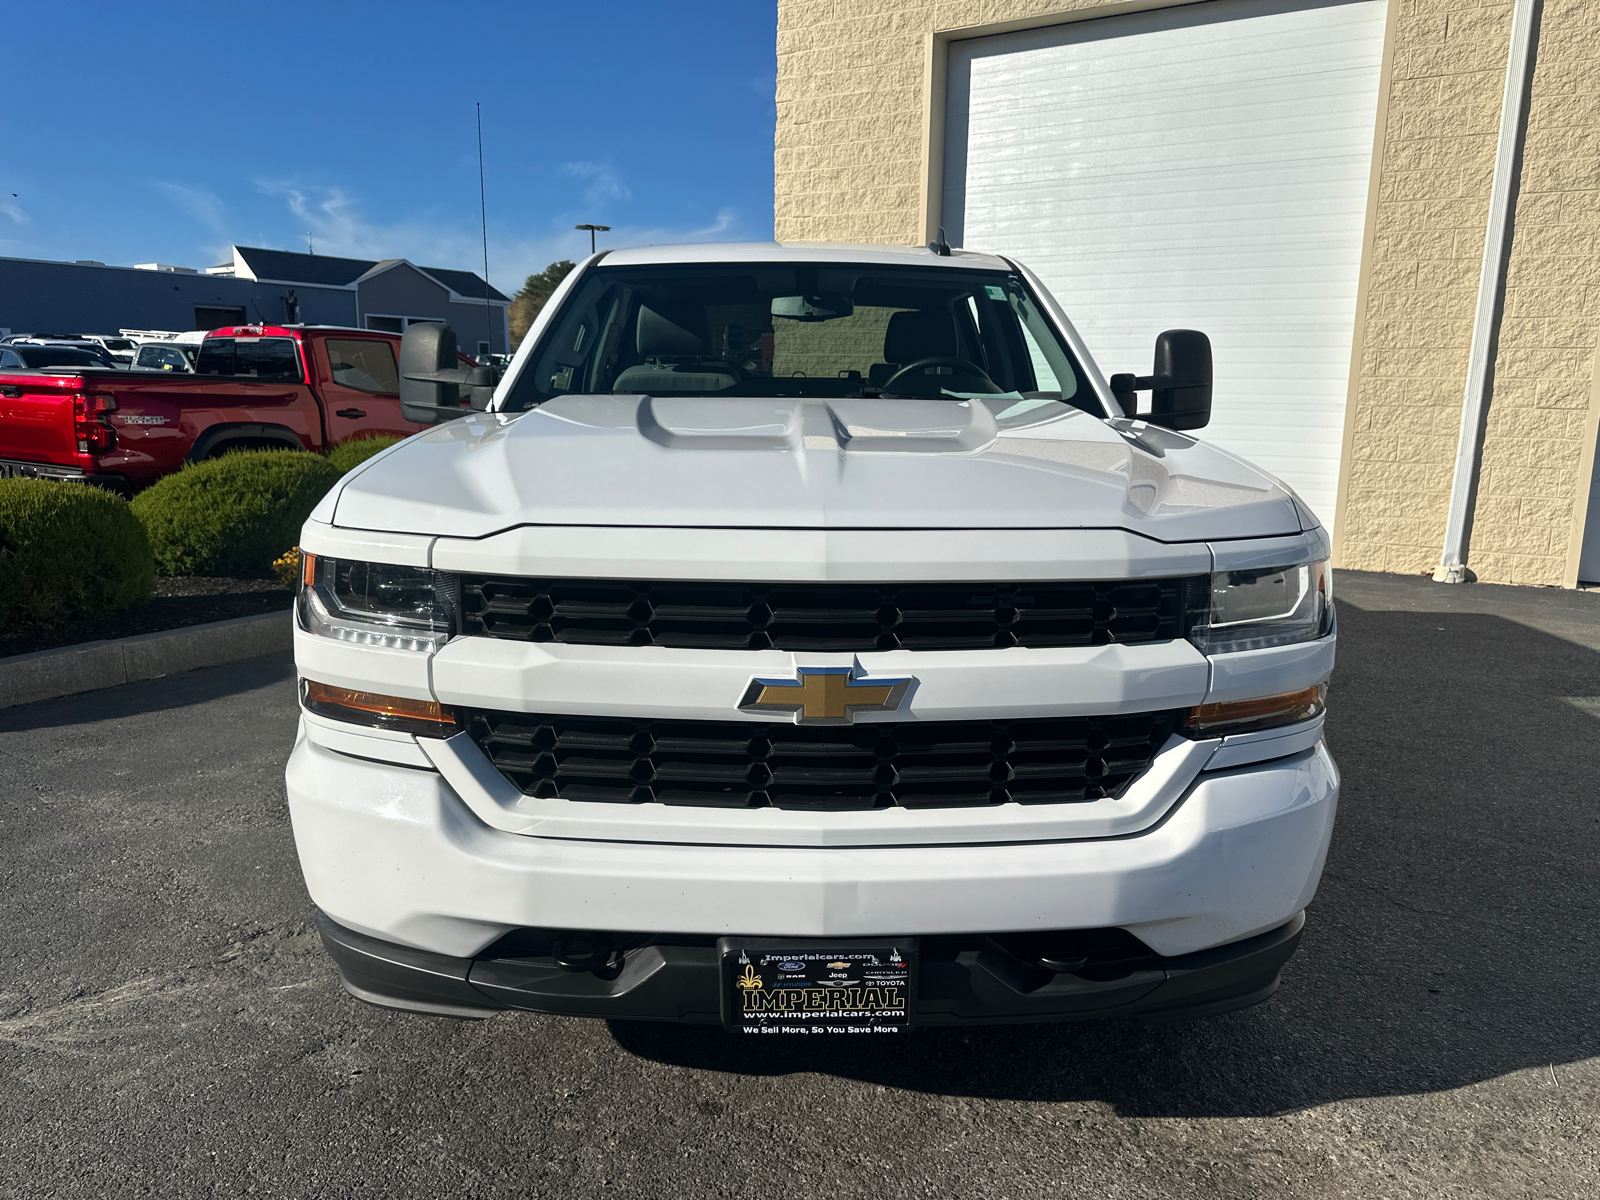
[827, 330]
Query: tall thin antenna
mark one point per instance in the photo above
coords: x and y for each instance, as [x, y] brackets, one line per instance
[483, 215]
[309, 249]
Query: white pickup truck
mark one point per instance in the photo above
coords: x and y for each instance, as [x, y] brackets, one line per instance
[810, 639]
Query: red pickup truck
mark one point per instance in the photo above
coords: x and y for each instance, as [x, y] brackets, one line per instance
[254, 387]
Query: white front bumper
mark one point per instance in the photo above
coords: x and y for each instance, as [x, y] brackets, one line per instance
[392, 851]
[424, 843]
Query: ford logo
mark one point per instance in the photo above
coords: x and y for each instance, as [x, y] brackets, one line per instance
[791, 966]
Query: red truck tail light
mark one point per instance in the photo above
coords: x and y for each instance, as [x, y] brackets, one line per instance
[90, 426]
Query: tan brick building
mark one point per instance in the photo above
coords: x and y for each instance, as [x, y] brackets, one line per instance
[897, 117]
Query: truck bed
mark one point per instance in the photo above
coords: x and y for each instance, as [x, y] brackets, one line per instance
[156, 419]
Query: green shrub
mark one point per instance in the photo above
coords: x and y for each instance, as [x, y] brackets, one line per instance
[347, 456]
[68, 550]
[232, 516]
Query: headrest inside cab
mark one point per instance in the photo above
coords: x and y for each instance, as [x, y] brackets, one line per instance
[919, 334]
[674, 332]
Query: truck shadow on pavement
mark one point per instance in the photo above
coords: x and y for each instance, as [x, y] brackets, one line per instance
[150, 695]
[1452, 940]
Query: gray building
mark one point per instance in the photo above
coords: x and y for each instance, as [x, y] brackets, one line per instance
[255, 286]
[389, 294]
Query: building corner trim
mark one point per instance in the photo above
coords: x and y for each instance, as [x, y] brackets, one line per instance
[1491, 291]
[934, 66]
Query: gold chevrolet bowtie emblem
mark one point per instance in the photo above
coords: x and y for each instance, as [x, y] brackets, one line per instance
[824, 695]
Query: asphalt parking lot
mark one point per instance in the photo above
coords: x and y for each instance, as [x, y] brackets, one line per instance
[170, 1026]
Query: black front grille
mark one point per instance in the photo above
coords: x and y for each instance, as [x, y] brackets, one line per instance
[829, 616]
[748, 764]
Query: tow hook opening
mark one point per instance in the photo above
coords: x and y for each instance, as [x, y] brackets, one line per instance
[581, 951]
[1028, 961]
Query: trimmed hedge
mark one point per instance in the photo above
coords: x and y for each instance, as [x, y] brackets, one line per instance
[68, 550]
[347, 456]
[232, 516]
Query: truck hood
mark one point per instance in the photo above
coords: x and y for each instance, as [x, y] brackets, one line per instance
[990, 463]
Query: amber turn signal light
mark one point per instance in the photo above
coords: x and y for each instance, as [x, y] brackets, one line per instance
[425, 717]
[1263, 712]
[308, 569]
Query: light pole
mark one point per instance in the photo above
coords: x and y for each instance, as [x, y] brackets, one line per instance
[593, 229]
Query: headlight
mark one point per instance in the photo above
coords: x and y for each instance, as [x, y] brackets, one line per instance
[376, 604]
[1272, 606]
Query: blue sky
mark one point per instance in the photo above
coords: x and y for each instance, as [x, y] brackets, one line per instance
[167, 132]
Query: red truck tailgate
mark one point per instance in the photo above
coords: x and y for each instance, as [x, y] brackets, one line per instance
[36, 417]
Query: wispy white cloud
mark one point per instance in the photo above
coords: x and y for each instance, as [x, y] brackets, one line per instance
[334, 218]
[329, 215]
[602, 179]
[12, 209]
[203, 205]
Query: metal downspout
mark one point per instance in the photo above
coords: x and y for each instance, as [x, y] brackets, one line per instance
[1491, 293]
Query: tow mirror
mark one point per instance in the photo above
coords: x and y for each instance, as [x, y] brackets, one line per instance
[1179, 385]
[480, 385]
[431, 374]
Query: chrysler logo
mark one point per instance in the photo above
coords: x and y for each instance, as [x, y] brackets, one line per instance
[824, 695]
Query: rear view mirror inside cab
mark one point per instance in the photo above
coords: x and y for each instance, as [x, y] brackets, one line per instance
[812, 308]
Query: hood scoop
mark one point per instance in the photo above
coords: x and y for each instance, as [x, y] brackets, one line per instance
[852, 427]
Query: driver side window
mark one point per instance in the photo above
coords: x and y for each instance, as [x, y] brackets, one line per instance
[574, 358]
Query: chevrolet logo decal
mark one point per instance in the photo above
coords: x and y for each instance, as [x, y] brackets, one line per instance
[824, 695]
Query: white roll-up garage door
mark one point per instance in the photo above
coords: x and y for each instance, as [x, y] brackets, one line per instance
[1202, 167]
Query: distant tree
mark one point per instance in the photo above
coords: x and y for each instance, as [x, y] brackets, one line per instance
[525, 305]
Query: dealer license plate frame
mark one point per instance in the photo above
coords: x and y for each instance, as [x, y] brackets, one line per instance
[763, 993]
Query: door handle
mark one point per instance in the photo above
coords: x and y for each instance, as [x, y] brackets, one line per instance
[11, 393]
[351, 413]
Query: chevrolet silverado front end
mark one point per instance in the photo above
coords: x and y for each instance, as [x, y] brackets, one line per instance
[811, 639]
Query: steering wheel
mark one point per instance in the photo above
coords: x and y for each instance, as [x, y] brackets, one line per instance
[958, 366]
